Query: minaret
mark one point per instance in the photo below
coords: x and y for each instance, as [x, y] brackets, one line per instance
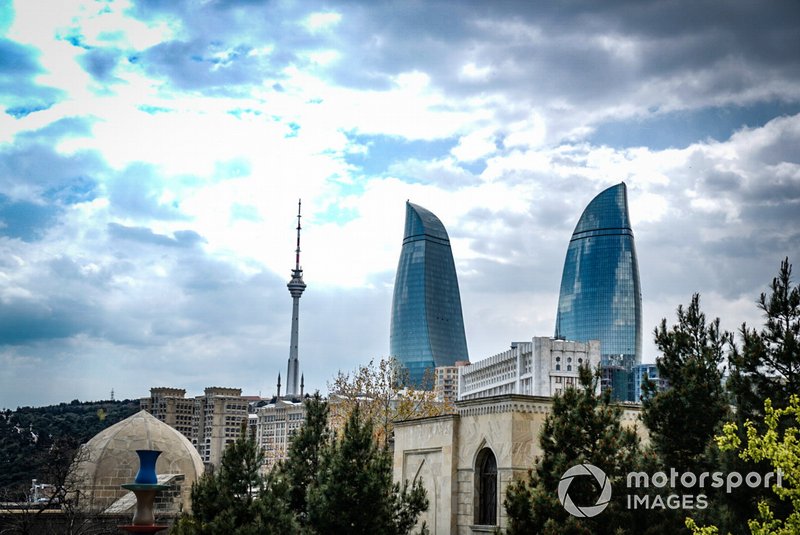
[296, 287]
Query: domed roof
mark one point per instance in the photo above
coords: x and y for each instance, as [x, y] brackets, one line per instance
[109, 459]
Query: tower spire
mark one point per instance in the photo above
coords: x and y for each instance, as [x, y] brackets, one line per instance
[296, 287]
[297, 251]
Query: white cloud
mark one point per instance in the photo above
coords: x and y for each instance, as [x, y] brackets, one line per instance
[475, 145]
[323, 20]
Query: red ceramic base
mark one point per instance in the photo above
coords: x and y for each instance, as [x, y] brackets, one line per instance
[142, 529]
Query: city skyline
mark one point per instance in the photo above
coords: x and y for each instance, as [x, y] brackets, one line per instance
[151, 155]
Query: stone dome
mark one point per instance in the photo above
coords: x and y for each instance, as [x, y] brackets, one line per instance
[109, 460]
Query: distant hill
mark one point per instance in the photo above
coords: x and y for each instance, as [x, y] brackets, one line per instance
[27, 434]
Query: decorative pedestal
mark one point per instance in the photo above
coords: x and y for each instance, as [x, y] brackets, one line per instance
[145, 487]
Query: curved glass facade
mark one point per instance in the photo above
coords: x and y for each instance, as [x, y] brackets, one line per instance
[427, 328]
[600, 296]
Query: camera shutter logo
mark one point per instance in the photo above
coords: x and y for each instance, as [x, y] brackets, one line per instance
[584, 470]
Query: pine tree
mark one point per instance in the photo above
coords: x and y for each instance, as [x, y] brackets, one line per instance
[237, 499]
[768, 365]
[354, 493]
[582, 428]
[304, 455]
[684, 417]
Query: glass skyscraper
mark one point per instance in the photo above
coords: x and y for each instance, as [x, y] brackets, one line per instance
[600, 296]
[427, 328]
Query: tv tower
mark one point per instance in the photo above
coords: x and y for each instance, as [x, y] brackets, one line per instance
[296, 287]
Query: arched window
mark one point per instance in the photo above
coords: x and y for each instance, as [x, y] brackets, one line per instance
[486, 488]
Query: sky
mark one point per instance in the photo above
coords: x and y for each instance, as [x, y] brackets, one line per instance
[152, 154]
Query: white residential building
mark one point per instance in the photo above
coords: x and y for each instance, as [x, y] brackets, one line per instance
[542, 367]
[276, 422]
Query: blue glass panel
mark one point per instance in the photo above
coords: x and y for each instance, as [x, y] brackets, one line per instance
[600, 296]
[427, 327]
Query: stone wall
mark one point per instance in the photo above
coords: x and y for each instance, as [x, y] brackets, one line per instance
[443, 452]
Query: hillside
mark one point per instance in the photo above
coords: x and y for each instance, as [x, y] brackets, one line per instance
[27, 434]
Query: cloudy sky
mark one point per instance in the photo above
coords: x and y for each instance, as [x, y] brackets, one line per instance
[152, 154]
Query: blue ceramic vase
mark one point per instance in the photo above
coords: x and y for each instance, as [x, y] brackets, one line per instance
[147, 467]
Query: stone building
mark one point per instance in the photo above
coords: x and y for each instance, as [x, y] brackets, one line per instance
[109, 460]
[466, 460]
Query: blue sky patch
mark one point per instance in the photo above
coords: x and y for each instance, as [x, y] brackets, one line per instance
[336, 214]
[386, 150]
[680, 129]
[152, 110]
[81, 189]
[18, 112]
[24, 220]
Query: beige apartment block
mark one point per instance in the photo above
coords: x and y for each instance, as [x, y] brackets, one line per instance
[210, 422]
[219, 416]
[445, 381]
[171, 406]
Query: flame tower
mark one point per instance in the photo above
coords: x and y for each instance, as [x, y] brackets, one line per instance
[601, 297]
[296, 287]
[427, 328]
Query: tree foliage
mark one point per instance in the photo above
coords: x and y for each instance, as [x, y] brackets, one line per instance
[304, 456]
[377, 391]
[237, 498]
[582, 428]
[327, 484]
[28, 434]
[354, 492]
[684, 417]
[768, 365]
[778, 446]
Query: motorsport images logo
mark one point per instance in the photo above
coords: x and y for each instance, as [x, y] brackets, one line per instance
[582, 470]
[686, 490]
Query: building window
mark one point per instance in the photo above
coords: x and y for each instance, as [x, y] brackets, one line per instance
[486, 488]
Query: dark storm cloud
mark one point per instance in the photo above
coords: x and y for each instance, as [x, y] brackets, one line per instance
[539, 46]
[18, 66]
[581, 56]
[25, 322]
